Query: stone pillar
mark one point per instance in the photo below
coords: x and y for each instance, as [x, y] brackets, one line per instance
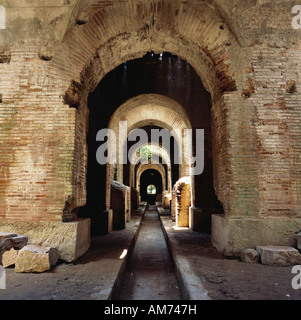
[183, 202]
[173, 204]
[119, 204]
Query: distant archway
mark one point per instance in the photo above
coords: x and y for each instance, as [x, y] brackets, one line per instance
[150, 177]
[148, 109]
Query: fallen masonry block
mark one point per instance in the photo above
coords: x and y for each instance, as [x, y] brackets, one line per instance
[34, 258]
[9, 257]
[249, 255]
[4, 235]
[279, 255]
[11, 240]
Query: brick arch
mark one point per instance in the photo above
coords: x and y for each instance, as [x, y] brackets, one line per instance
[152, 109]
[160, 152]
[123, 31]
[148, 109]
[158, 167]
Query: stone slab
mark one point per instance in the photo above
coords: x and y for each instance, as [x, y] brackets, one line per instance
[279, 255]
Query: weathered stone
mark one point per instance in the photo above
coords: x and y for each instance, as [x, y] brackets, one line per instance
[11, 240]
[36, 259]
[249, 255]
[9, 257]
[278, 255]
[72, 239]
[46, 54]
[228, 239]
[4, 235]
[17, 242]
[166, 199]
[119, 204]
[183, 202]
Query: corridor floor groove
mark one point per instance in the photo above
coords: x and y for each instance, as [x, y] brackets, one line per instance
[150, 273]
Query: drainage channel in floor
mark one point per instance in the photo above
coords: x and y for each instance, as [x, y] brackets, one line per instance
[150, 272]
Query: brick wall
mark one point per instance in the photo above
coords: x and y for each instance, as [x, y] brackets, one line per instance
[37, 140]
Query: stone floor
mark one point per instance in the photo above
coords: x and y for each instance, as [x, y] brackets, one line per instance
[203, 273]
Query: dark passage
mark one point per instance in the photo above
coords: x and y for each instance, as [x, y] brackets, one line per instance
[150, 274]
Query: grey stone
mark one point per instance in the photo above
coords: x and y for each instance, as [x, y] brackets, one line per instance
[249, 255]
[279, 255]
[11, 240]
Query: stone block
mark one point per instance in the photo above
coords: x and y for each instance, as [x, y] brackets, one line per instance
[36, 259]
[9, 257]
[5, 235]
[72, 239]
[11, 240]
[183, 202]
[249, 255]
[279, 255]
[231, 235]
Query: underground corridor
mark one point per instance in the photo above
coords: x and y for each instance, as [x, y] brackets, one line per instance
[161, 95]
[156, 92]
[128, 126]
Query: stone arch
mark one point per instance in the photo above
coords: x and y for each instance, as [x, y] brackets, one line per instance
[158, 167]
[149, 109]
[160, 152]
